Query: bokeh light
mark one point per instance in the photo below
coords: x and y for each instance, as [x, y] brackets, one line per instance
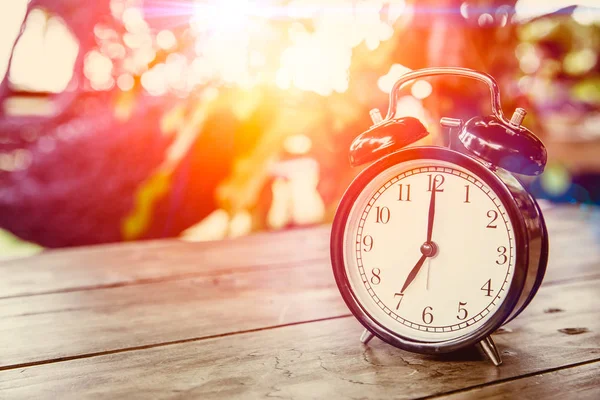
[421, 89]
[43, 59]
[304, 45]
[10, 19]
[556, 180]
[98, 69]
[286, 83]
[386, 82]
[529, 9]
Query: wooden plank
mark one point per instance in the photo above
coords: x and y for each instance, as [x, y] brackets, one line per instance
[574, 243]
[580, 382]
[95, 321]
[150, 261]
[322, 360]
[571, 228]
[55, 326]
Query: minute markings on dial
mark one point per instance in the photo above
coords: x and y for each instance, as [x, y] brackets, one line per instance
[372, 202]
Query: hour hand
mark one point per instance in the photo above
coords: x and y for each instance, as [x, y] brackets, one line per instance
[413, 273]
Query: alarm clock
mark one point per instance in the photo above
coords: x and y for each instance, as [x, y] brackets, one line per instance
[434, 248]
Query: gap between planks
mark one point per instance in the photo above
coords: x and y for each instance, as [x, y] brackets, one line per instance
[509, 379]
[243, 270]
[191, 275]
[550, 211]
[163, 344]
[171, 278]
[574, 279]
[437, 395]
[269, 328]
[465, 390]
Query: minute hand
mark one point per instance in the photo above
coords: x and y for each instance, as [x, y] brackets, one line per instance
[431, 213]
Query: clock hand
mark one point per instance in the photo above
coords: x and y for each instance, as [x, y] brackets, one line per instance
[431, 212]
[428, 249]
[413, 273]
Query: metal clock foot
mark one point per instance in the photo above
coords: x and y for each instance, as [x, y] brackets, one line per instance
[366, 337]
[489, 348]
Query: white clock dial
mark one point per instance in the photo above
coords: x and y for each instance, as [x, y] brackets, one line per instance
[458, 288]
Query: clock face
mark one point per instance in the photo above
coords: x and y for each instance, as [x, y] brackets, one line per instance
[429, 290]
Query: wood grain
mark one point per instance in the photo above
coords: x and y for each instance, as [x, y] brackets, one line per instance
[222, 301]
[322, 360]
[574, 238]
[574, 243]
[260, 316]
[151, 261]
[55, 326]
[580, 382]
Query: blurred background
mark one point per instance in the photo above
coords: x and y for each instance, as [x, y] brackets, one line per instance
[127, 120]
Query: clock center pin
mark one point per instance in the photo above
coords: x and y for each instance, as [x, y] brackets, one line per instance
[429, 249]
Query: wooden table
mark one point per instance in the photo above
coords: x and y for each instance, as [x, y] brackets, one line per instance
[261, 317]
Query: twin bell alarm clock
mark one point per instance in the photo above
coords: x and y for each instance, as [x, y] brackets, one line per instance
[434, 248]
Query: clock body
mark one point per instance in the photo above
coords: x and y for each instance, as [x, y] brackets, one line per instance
[490, 257]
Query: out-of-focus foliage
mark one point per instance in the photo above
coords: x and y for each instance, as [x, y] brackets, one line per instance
[12, 247]
[560, 73]
[558, 57]
[243, 111]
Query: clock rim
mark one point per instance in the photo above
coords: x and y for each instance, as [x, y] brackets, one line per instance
[502, 313]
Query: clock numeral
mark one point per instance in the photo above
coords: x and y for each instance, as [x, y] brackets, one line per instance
[487, 287]
[376, 278]
[400, 196]
[427, 316]
[462, 310]
[383, 215]
[401, 295]
[493, 214]
[437, 181]
[368, 242]
[468, 188]
[502, 257]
